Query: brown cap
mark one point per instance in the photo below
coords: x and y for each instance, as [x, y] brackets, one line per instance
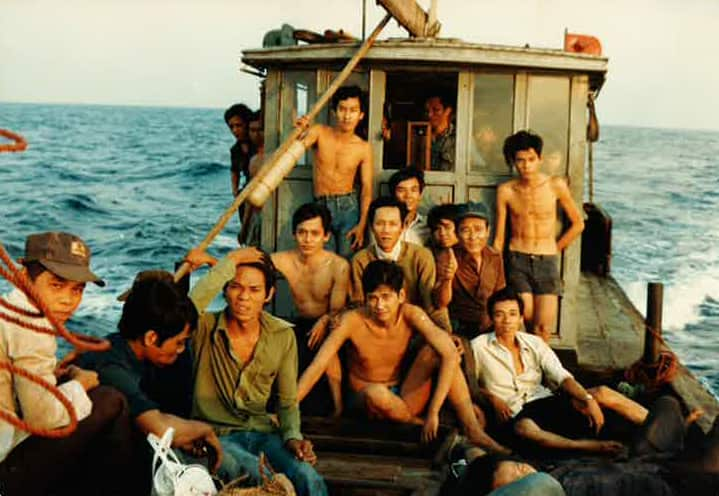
[63, 254]
[147, 275]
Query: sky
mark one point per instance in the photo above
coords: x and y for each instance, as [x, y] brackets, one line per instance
[662, 66]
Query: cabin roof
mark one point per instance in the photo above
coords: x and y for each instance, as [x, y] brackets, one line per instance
[434, 52]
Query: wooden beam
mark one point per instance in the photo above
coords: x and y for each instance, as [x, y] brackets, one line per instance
[411, 16]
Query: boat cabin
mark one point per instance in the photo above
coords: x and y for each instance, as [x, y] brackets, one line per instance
[494, 91]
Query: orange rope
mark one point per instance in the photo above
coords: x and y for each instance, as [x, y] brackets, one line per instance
[19, 145]
[18, 278]
[654, 375]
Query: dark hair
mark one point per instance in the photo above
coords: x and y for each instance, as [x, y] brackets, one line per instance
[480, 473]
[256, 116]
[34, 269]
[386, 201]
[239, 109]
[310, 211]
[157, 305]
[446, 211]
[444, 97]
[504, 294]
[382, 272]
[522, 140]
[405, 174]
[347, 92]
[266, 267]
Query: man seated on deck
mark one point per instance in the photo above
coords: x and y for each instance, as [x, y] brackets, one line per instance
[534, 251]
[470, 274]
[239, 353]
[338, 154]
[319, 282]
[379, 336]
[407, 186]
[439, 109]
[513, 367]
[87, 460]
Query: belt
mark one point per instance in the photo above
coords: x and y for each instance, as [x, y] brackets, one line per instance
[535, 256]
[331, 197]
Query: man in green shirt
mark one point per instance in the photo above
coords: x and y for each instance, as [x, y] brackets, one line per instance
[239, 353]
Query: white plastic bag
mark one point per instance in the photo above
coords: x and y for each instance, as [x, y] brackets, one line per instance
[170, 477]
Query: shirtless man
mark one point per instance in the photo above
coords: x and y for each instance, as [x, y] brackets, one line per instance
[339, 152]
[379, 336]
[534, 251]
[319, 283]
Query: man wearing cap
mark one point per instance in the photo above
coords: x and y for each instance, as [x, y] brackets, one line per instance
[58, 267]
[471, 273]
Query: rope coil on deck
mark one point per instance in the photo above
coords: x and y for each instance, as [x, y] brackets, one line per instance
[18, 278]
[654, 375]
[19, 143]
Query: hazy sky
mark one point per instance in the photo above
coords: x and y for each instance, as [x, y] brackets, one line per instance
[663, 69]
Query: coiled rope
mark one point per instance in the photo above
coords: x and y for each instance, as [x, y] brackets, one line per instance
[19, 144]
[654, 375]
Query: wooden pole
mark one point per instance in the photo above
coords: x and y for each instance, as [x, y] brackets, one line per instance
[244, 194]
[655, 298]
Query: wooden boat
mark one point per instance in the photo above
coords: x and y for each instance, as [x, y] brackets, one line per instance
[498, 90]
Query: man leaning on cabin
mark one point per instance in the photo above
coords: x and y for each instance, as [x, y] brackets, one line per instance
[338, 154]
[89, 459]
[534, 252]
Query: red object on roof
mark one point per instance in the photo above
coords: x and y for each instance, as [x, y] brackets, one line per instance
[582, 43]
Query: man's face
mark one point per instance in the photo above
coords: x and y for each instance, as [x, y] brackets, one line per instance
[409, 193]
[349, 114]
[438, 114]
[238, 128]
[166, 353]
[256, 133]
[245, 294]
[311, 236]
[444, 234]
[61, 296]
[387, 227]
[383, 304]
[506, 318]
[527, 162]
[509, 471]
[473, 234]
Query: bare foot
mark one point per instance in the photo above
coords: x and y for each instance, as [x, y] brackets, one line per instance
[604, 447]
[693, 416]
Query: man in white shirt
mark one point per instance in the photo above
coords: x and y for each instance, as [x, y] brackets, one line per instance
[512, 367]
[57, 265]
[407, 186]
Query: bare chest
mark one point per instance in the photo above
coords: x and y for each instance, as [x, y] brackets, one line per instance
[538, 203]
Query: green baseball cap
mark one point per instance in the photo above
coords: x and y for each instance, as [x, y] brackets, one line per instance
[63, 254]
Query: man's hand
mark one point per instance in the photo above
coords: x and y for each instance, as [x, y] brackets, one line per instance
[357, 232]
[302, 123]
[501, 409]
[431, 425]
[197, 258]
[302, 450]
[591, 410]
[206, 446]
[318, 332]
[457, 343]
[246, 255]
[87, 378]
[447, 269]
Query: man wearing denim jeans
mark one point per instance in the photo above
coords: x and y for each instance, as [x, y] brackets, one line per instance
[338, 154]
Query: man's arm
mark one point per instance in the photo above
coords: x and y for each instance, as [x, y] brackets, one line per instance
[501, 220]
[366, 179]
[570, 208]
[446, 269]
[235, 182]
[584, 403]
[312, 134]
[357, 269]
[329, 349]
[340, 285]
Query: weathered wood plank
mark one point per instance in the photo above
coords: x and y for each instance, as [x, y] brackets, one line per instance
[409, 14]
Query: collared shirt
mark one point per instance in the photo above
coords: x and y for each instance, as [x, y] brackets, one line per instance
[443, 150]
[472, 286]
[233, 395]
[34, 352]
[417, 232]
[496, 371]
[391, 256]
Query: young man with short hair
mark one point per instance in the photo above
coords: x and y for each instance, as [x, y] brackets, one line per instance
[439, 109]
[338, 154]
[379, 337]
[237, 117]
[319, 283]
[534, 252]
[407, 186]
[58, 267]
[440, 220]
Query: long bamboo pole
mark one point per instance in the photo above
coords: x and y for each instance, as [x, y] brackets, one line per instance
[270, 164]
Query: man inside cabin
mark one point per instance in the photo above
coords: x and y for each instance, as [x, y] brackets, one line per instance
[470, 274]
[88, 460]
[379, 336]
[439, 108]
[239, 353]
[407, 186]
[534, 252]
[319, 282]
[513, 368]
[338, 154]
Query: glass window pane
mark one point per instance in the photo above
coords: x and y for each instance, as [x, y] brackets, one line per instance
[492, 122]
[548, 109]
[299, 93]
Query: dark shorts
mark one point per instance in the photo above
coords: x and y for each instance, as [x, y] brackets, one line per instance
[318, 401]
[536, 274]
[556, 414]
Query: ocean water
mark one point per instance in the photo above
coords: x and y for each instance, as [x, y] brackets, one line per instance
[141, 185]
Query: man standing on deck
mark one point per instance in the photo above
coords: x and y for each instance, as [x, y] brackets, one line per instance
[379, 337]
[338, 154]
[534, 251]
[319, 283]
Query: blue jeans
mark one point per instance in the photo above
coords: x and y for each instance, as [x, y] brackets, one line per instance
[241, 455]
[345, 215]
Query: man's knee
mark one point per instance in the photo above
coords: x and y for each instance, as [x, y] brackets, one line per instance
[306, 479]
[525, 427]
[377, 396]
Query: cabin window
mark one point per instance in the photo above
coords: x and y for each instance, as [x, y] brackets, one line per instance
[299, 93]
[492, 122]
[419, 120]
[548, 115]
